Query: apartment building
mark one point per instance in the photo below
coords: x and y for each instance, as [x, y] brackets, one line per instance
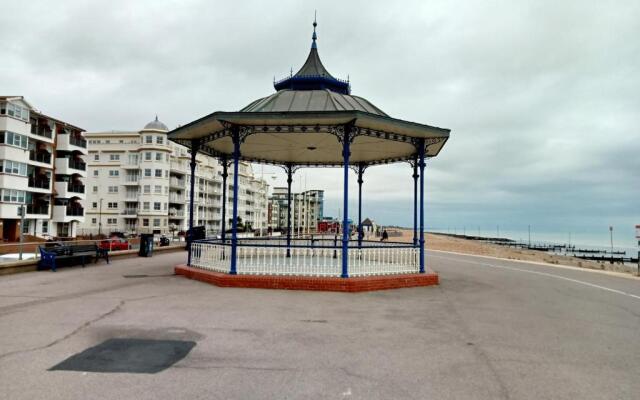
[141, 184]
[42, 168]
[307, 208]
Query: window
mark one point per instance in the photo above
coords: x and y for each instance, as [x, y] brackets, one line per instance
[112, 221]
[45, 226]
[166, 173]
[13, 167]
[112, 205]
[145, 205]
[166, 190]
[159, 139]
[147, 172]
[14, 139]
[133, 159]
[113, 173]
[156, 206]
[167, 158]
[148, 139]
[94, 205]
[147, 156]
[113, 189]
[157, 189]
[158, 156]
[165, 206]
[114, 157]
[96, 157]
[94, 221]
[15, 110]
[145, 222]
[147, 188]
[158, 173]
[95, 189]
[156, 222]
[13, 196]
[95, 172]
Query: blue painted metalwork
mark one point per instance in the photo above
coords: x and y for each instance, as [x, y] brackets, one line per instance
[346, 153]
[225, 174]
[289, 168]
[415, 201]
[313, 75]
[234, 224]
[421, 165]
[361, 167]
[195, 143]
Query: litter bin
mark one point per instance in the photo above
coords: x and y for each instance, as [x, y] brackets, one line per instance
[146, 245]
[198, 233]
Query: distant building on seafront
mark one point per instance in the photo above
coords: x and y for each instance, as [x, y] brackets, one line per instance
[139, 183]
[307, 208]
[42, 171]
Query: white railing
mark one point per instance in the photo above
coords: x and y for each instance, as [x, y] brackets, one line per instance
[303, 261]
[269, 257]
[210, 256]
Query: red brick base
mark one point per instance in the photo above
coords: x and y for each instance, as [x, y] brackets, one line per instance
[357, 284]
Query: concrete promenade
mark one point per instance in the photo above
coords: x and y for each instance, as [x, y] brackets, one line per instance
[492, 329]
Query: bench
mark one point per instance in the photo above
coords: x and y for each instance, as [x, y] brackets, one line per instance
[69, 254]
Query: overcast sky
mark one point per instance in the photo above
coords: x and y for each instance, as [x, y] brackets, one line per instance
[542, 98]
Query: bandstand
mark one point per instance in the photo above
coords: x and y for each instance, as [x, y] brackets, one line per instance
[312, 120]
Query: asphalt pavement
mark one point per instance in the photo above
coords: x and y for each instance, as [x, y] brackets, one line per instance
[492, 329]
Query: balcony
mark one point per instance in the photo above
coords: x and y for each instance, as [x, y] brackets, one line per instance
[67, 190]
[66, 213]
[38, 209]
[130, 211]
[70, 142]
[176, 199]
[37, 182]
[42, 130]
[42, 157]
[176, 213]
[176, 182]
[70, 166]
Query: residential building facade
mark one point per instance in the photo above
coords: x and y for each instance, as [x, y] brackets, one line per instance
[42, 172]
[307, 208]
[140, 183]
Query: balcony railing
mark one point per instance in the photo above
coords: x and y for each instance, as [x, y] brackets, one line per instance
[75, 188]
[77, 164]
[41, 131]
[37, 209]
[76, 141]
[130, 211]
[75, 211]
[40, 157]
[39, 183]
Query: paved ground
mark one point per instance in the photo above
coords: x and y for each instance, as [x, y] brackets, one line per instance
[492, 329]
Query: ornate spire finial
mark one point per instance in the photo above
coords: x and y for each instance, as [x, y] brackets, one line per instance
[314, 36]
[156, 117]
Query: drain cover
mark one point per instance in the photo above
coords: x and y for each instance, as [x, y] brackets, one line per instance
[138, 356]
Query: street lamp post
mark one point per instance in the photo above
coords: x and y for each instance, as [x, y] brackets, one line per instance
[100, 219]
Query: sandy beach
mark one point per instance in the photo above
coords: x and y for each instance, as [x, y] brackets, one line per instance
[466, 246]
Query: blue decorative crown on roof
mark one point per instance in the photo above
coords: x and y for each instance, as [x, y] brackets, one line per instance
[313, 75]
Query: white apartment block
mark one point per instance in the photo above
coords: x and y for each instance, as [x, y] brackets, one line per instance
[42, 168]
[140, 183]
[307, 208]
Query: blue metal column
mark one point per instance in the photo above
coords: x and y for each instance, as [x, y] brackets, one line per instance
[360, 233]
[225, 174]
[195, 144]
[346, 152]
[421, 165]
[415, 201]
[289, 168]
[234, 224]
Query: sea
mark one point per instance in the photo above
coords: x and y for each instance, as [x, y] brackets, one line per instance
[581, 240]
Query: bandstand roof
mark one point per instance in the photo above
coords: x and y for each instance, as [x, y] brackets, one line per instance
[298, 124]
